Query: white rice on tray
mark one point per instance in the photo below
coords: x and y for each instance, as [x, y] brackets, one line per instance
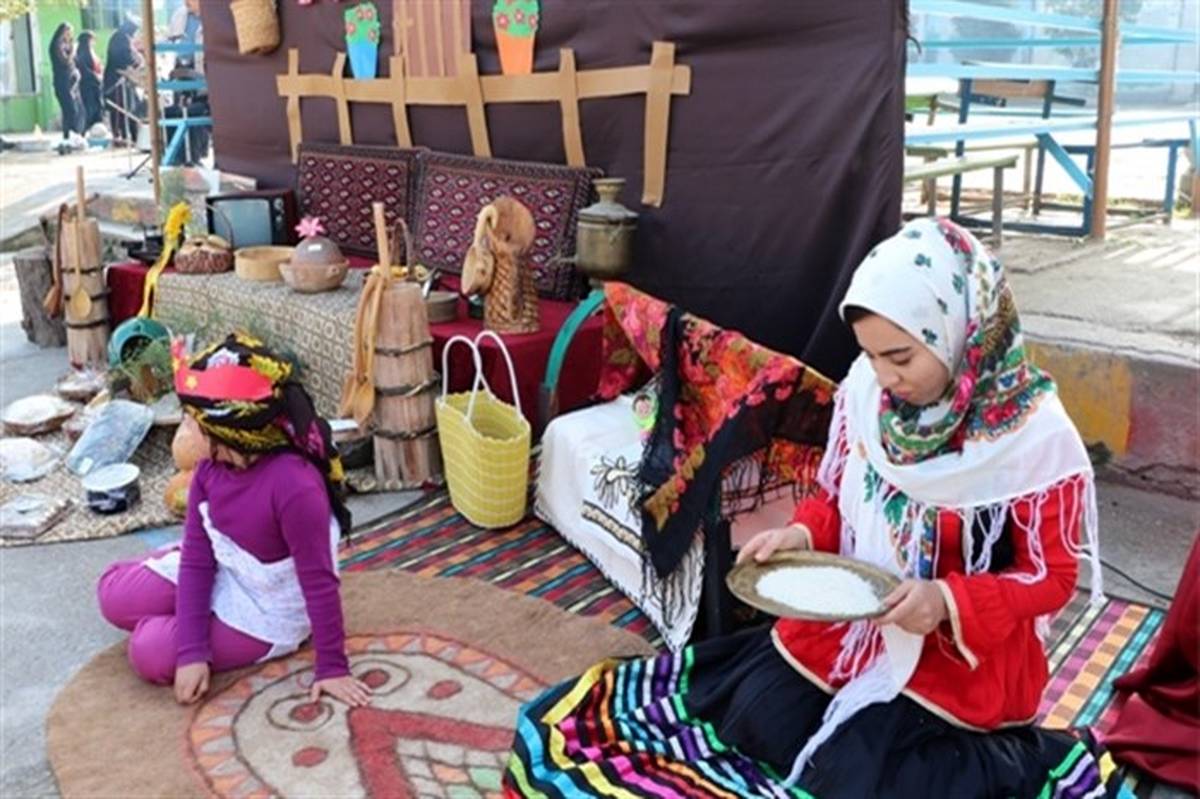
[823, 590]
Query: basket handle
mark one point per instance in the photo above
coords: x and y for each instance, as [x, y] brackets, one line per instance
[218, 209]
[475, 358]
[406, 237]
[512, 372]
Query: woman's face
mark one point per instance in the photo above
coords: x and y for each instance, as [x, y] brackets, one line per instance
[903, 365]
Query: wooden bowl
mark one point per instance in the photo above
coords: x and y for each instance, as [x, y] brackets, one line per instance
[261, 264]
[442, 306]
[743, 582]
[313, 278]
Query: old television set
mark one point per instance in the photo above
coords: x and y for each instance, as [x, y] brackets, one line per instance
[252, 218]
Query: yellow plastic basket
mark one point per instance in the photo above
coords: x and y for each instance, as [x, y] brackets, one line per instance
[485, 444]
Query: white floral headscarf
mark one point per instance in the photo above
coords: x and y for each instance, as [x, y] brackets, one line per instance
[938, 283]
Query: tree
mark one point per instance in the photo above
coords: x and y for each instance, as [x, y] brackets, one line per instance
[11, 9]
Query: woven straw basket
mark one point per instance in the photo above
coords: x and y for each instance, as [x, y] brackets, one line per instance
[257, 25]
[485, 444]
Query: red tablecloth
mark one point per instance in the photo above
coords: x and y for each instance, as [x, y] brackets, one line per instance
[577, 381]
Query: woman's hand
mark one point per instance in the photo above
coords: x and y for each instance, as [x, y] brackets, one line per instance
[768, 542]
[191, 682]
[916, 606]
[354, 693]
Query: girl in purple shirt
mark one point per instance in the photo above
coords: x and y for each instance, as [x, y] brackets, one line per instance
[256, 574]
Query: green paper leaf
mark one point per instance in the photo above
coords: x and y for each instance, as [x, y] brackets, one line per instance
[362, 24]
[518, 18]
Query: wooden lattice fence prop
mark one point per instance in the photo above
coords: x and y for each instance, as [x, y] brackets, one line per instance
[658, 80]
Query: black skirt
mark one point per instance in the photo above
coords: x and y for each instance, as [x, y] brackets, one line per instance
[727, 718]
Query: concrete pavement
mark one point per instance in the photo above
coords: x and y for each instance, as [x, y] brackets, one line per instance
[1118, 325]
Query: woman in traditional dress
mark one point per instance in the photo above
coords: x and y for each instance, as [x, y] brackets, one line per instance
[91, 77]
[257, 570]
[66, 79]
[952, 464]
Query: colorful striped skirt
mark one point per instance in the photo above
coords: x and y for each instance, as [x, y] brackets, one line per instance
[725, 718]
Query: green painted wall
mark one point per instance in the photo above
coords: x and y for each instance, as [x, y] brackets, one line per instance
[18, 114]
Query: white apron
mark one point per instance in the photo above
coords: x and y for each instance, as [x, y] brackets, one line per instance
[259, 599]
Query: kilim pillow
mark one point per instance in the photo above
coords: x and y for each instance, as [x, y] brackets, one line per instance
[340, 182]
[452, 189]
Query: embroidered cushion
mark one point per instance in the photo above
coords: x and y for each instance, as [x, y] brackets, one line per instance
[452, 189]
[340, 182]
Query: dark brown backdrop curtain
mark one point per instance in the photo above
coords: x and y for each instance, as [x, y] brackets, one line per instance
[785, 161]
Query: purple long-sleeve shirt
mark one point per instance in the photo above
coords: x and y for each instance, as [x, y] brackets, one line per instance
[276, 508]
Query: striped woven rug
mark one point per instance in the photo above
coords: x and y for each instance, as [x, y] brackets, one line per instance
[1089, 646]
[430, 538]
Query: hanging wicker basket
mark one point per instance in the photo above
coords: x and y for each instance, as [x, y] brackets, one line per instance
[257, 25]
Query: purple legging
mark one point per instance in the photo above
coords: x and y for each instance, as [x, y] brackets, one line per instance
[137, 599]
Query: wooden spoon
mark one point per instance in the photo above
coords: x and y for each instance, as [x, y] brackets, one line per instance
[363, 403]
[80, 303]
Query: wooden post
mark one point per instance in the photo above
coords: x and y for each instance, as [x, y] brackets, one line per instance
[439, 38]
[295, 132]
[422, 49]
[1104, 115]
[345, 134]
[1195, 192]
[998, 207]
[400, 102]
[569, 102]
[152, 96]
[658, 112]
[472, 94]
[1027, 183]
[1194, 149]
[400, 25]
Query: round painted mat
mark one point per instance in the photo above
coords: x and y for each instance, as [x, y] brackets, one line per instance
[450, 661]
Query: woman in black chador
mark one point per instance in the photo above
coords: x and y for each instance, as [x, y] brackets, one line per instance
[66, 79]
[121, 57]
[91, 74]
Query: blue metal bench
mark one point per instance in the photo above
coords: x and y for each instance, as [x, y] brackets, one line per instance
[976, 79]
[180, 126]
[1044, 130]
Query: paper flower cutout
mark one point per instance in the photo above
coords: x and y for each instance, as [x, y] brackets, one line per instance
[310, 226]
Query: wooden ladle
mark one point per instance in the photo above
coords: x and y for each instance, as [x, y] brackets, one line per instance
[363, 401]
[80, 303]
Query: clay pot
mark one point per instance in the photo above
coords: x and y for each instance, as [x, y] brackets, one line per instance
[175, 497]
[189, 446]
[313, 279]
[316, 265]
